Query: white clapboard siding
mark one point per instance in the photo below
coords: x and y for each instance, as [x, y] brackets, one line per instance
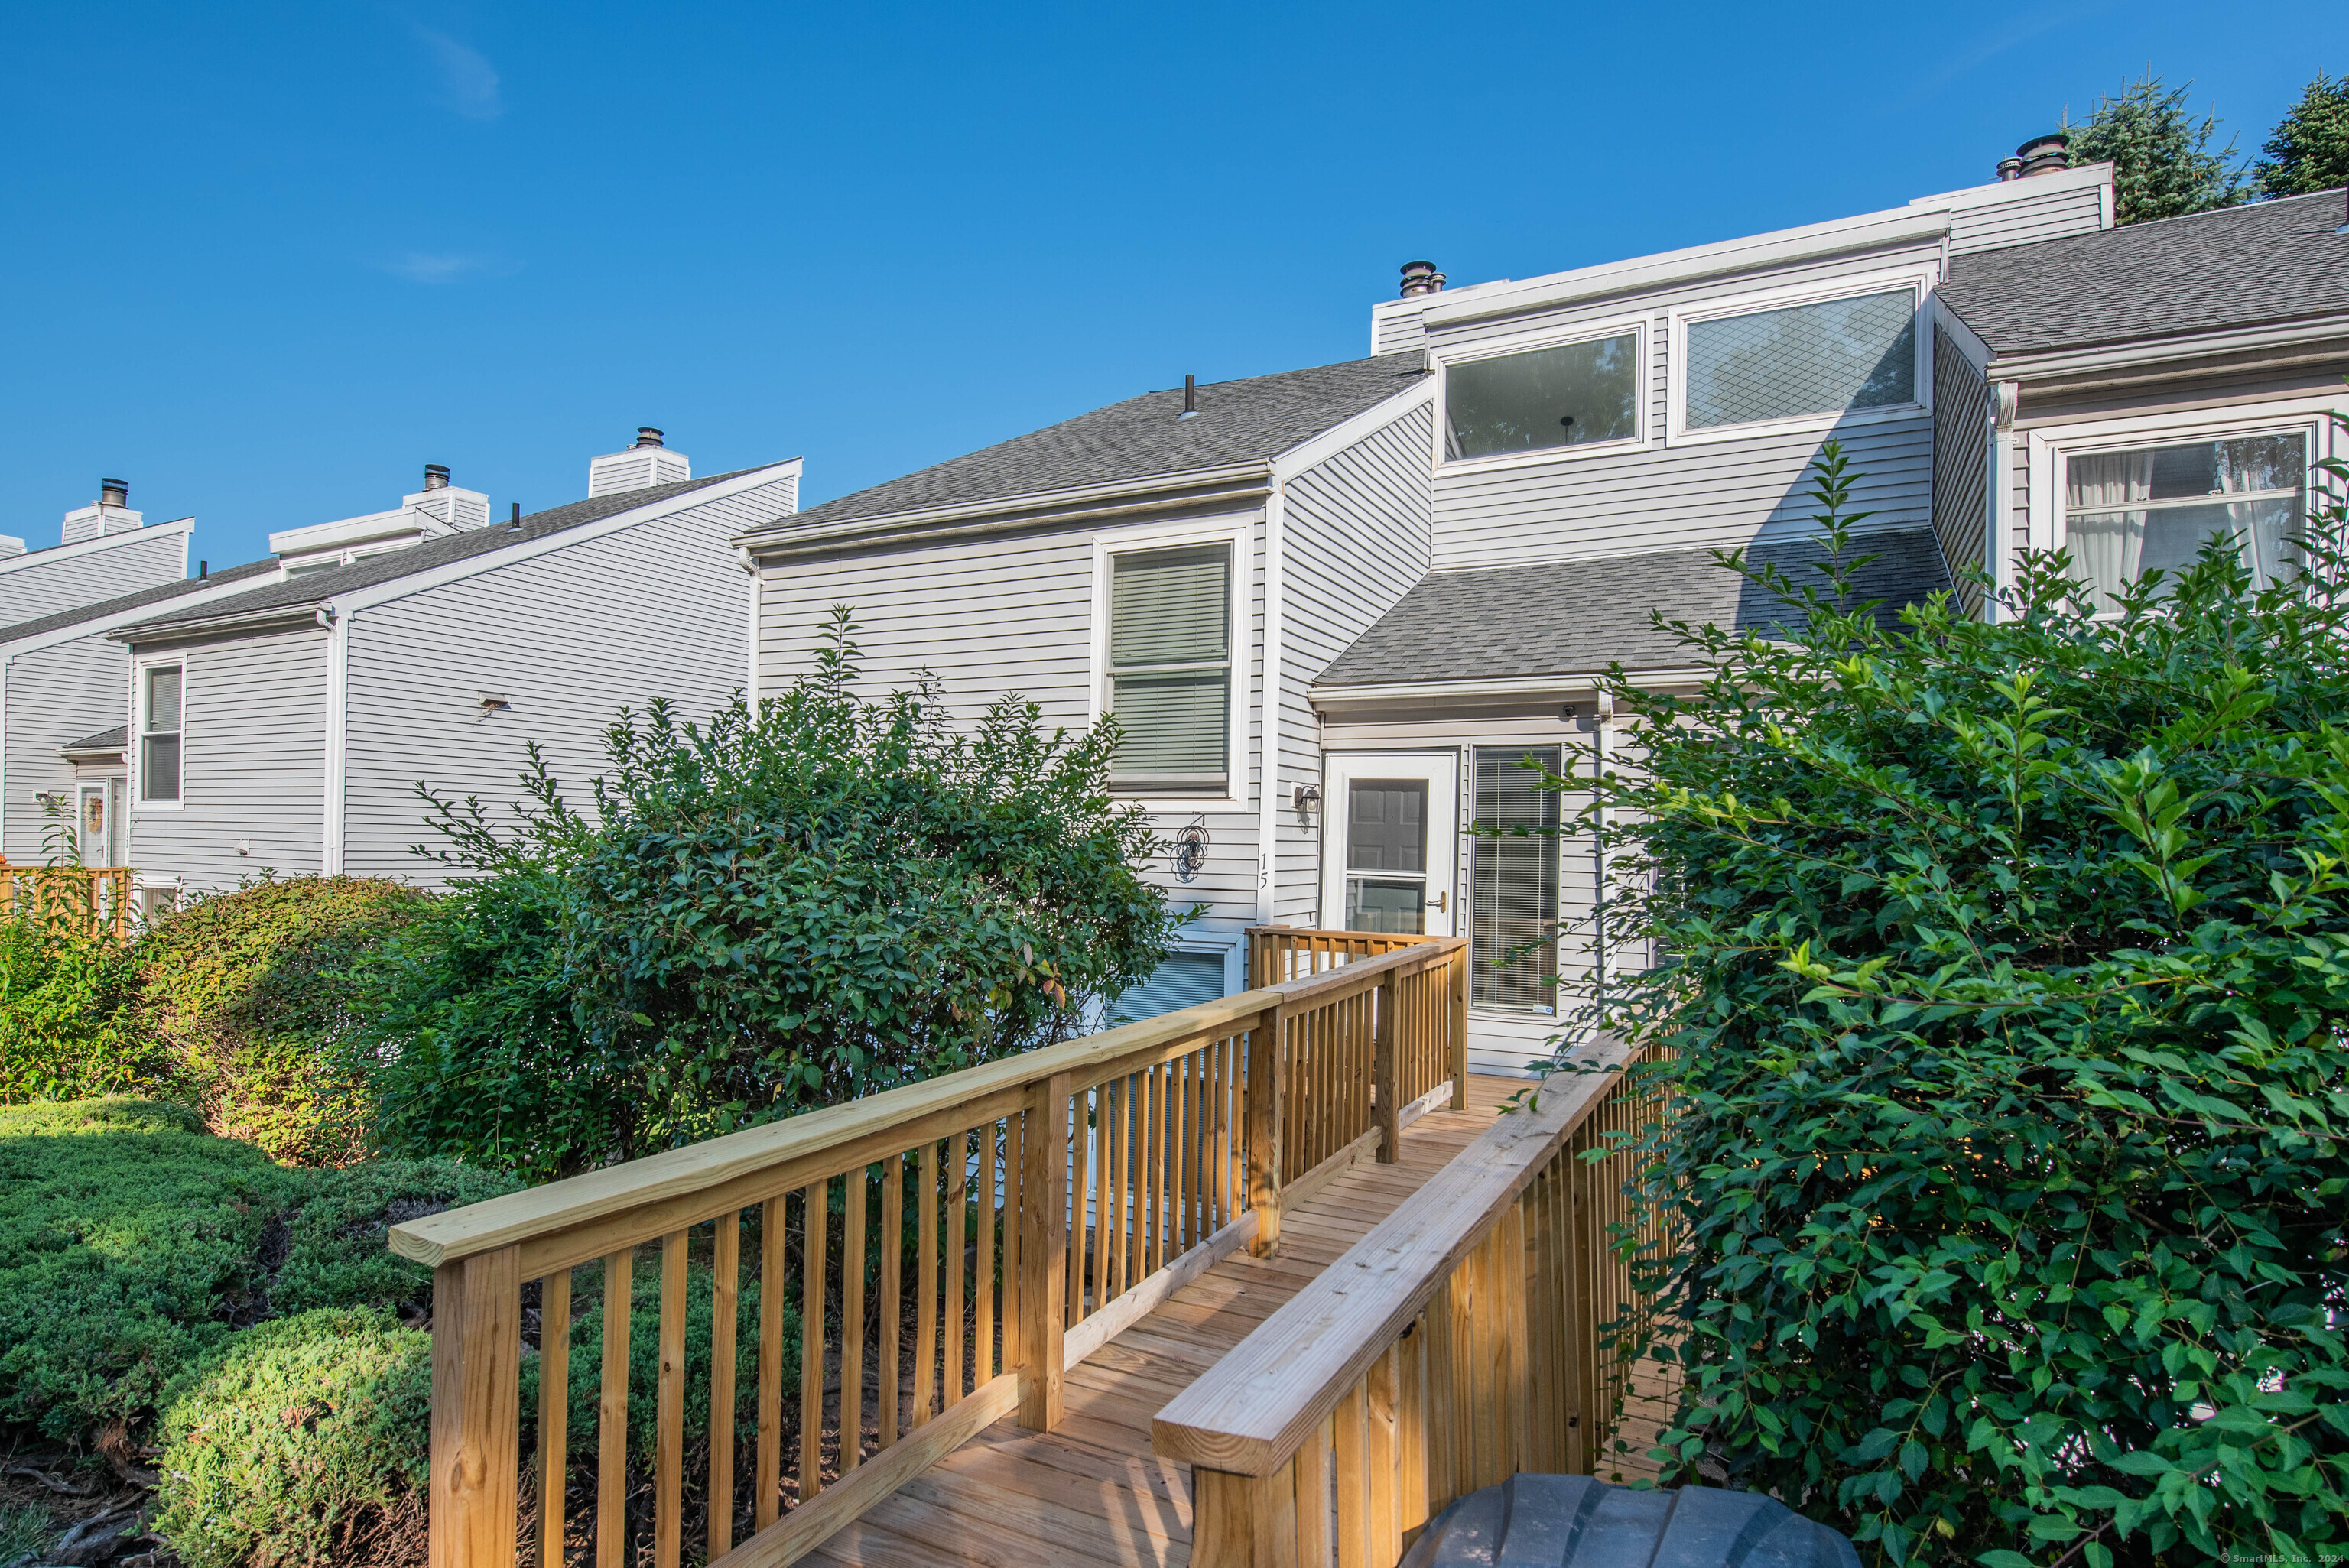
[1961, 465]
[55, 696]
[567, 637]
[2025, 210]
[46, 582]
[1715, 493]
[252, 756]
[1356, 531]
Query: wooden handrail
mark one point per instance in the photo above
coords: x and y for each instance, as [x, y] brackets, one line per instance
[1104, 1171]
[1457, 1343]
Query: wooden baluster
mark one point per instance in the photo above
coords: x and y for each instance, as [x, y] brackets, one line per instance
[1382, 1457]
[1386, 1082]
[1414, 1489]
[553, 1411]
[1015, 1161]
[612, 1418]
[771, 1296]
[955, 1258]
[669, 1414]
[852, 1325]
[1313, 1470]
[1263, 1132]
[816, 1208]
[1350, 1424]
[1044, 1197]
[893, 1304]
[926, 1297]
[982, 1272]
[1456, 1034]
[1149, 1221]
[1085, 1178]
[1111, 1235]
[725, 1283]
[1515, 1333]
[476, 1408]
[1185, 1233]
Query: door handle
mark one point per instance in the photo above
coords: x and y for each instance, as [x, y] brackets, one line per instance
[1444, 901]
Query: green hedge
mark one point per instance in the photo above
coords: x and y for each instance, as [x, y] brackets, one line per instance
[69, 1025]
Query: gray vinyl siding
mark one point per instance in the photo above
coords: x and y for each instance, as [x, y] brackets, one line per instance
[1356, 531]
[567, 637]
[1961, 465]
[1395, 324]
[253, 764]
[55, 695]
[1691, 496]
[995, 617]
[45, 582]
[2023, 213]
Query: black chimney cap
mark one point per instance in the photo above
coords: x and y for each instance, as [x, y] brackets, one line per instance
[1421, 278]
[436, 476]
[647, 437]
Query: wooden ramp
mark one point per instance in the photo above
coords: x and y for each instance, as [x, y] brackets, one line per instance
[1090, 1491]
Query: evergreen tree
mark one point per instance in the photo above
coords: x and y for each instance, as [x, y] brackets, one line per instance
[2162, 158]
[2308, 149]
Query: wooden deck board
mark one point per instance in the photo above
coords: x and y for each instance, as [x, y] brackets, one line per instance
[1091, 1492]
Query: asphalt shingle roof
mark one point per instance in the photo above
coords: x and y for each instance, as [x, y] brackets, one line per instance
[1572, 617]
[2269, 263]
[317, 586]
[1252, 421]
[158, 594]
[114, 739]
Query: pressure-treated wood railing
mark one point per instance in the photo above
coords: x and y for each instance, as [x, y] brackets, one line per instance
[1464, 1340]
[951, 1247]
[88, 900]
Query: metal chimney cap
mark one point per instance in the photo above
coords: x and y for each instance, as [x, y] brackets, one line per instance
[2046, 154]
[113, 493]
[1421, 278]
[647, 437]
[436, 476]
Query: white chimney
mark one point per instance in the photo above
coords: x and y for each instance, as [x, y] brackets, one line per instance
[459, 509]
[110, 513]
[646, 463]
[10, 546]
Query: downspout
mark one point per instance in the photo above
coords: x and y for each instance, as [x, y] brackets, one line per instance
[1999, 542]
[330, 848]
[1272, 688]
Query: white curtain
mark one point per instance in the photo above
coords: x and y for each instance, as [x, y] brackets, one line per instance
[2106, 539]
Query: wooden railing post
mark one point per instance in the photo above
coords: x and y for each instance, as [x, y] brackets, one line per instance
[1265, 1088]
[1457, 1046]
[1044, 1252]
[476, 1410]
[1386, 1082]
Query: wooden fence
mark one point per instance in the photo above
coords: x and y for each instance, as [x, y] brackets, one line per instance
[1462, 1341]
[1018, 1214]
[88, 900]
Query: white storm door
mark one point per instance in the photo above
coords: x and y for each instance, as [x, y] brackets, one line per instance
[94, 823]
[1390, 842]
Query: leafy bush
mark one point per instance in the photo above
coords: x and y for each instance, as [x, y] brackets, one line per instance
[249, 990]
[132, 1242]
[69, 1028]
[779, 909]
[302, 1440]
[2008, 967]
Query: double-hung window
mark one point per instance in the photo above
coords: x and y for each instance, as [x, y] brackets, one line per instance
[1512, 898]
[2129, 511]
[1566, 395]
[1812, 361]
[1170, 669]
[159, 695]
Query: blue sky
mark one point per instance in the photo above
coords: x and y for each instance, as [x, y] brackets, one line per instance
[268, 262]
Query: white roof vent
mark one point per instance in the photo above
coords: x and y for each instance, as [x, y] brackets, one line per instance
[110, 513]
[646, 462]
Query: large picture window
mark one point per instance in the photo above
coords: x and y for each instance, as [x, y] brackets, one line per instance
[1170, 669]
[1832, 356]
[1513, 899]
[1570, 394]
[159, 732]
[2129, 512]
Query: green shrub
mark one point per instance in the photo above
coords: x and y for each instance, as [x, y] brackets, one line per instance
[783, 908]
[68, 1028]
[304, 1440]
[251, 988]
[337, 1242]
[2008, 969]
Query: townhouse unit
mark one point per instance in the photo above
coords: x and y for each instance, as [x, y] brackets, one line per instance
[285, 727]
[104, 550]
[1336, 610]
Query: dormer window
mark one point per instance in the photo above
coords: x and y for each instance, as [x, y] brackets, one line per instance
[1564, 394]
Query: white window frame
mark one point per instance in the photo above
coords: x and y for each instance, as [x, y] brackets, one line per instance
[2308, 415]
[137, 749]
[1240, 533]
[1558, 336]
[1918, 280]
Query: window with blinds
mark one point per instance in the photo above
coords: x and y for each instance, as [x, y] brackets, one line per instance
[1170, 669]
[1513, 893]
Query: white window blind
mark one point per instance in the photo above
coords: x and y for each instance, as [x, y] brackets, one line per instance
[1170, 668]
[1824, 358]
[1512, 898]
